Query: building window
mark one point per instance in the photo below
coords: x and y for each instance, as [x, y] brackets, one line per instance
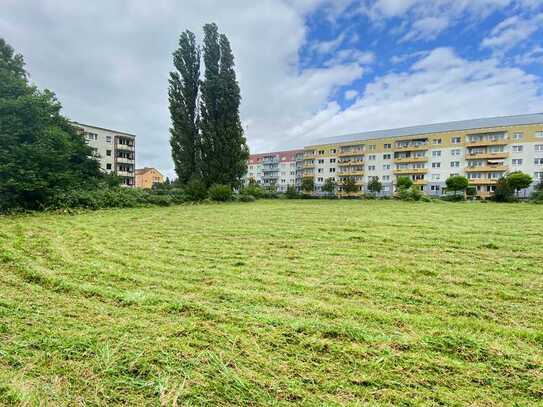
[387, 146]
[371, 167]
[386, 166]
[436, 141]
[538, 134]
[372, 157]
[321, 161]
[371, 147]
[108, 139]
[332, 170]
[386, 177]
[333, 151]
[517, 161]
[538, 176]
[320, 179]
[517, 149]
[435, 177]
[436, 165]
[319, 170]
[517, 136]
[455, 164]
[456, 140]
[456, 151]
[387, 156]
[538, 161]
[436, 153]
[332, 160]
[321, 152]
[108, 166]
[434, 187]
[538, 147]
[108, 152]
[455, 174]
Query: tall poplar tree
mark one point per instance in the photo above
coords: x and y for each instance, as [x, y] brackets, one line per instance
[210, 89]
[235, 152]
[224, 149]
[183, 98]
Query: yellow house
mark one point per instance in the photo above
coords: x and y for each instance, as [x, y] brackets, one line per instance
[147, 177]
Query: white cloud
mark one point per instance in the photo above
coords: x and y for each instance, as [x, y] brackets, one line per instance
[351, 55]
[426, 29]
[533, 56]
[109, 62]
[512, 31]
[439, 87]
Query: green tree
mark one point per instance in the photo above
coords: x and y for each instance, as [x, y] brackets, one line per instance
[457, 183]
[518, 180]
[349, 185]
[404, 183]
[183, 95]
[224, 149]
[375, 185]
[41, 154]
[329, 186]
[504, 192]
[308, 185]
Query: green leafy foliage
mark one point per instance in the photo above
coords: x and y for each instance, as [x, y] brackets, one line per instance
[349, 185]
[41, 154]
[329, 186]
[196, 189]
[291, 192]
[404, 183]
[254, 190]
[220, 193]
[375, 185]
[518, 180]
[183, 94]
[457, 183]
[308, 185]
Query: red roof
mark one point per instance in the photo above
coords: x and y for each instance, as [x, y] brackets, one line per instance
[289, 155]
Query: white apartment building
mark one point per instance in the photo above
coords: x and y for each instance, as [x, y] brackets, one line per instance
[115, 150]
[276, 170]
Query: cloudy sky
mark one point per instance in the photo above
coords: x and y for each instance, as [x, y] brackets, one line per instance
[308, 69]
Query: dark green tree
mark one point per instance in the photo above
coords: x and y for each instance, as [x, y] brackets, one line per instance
[329, 186]
[375, 185]
[404, 183]
[308, 185]
[457, 183]
[349, 185]
[183, 98]
[518, 180]
[224, 149]
[41, 154]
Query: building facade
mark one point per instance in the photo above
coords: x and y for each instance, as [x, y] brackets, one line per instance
[147, 177]
[483, 150]
[115, 150]
[276, 170]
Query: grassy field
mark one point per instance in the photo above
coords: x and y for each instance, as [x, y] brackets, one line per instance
[274, 303]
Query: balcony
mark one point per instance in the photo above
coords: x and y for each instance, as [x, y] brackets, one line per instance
[124, 147]
[415, 147]
[420, 182]
[410, 160]
[351, 174]
[483, 143]
[487, 156]
[350, 153]
[483, 181]
[359, 183]
[343, 163]
[124, 160]
[406, 171]
[487, 168]
[125, 174]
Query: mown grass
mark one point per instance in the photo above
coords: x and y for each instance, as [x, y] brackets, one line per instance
[274, 303]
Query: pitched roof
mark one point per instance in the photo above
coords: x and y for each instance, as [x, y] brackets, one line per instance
[502, 121]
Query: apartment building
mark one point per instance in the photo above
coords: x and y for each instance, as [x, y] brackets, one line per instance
[147, 177]
[483, 150]
[116, 150]
[276, 170]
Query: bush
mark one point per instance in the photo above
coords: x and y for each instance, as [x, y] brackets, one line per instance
[452, 198]
[160, 200]
[246, 198]
[292, 193]
[253, 190]
[195, 190]
[409, 194]
[220, 193]
[537, 197]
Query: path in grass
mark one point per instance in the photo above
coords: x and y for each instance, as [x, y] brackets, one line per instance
[274, 302]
